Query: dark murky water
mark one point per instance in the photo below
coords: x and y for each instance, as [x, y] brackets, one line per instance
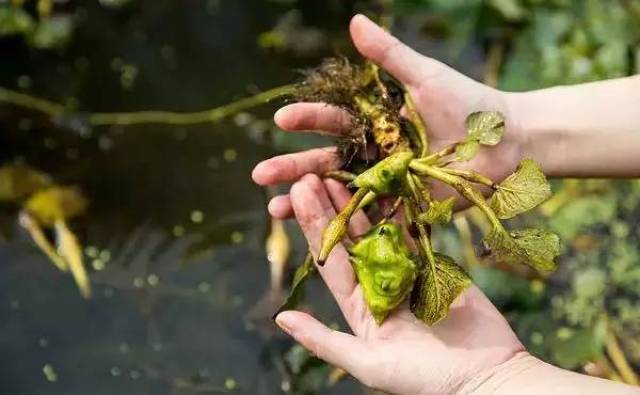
[158, 323]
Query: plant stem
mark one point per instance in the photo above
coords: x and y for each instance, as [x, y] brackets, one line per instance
[53, 109]
[338, 226]
[619, 360]
[462, 186]
[435, 157]
[340, 175]
[472, 176]
[419, 123]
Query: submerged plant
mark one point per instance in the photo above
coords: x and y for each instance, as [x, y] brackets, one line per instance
[387, 156]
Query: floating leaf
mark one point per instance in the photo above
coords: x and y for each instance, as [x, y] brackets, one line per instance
[15, 20]
[71, 250]
[467, 150]
[439, 212]
[533, 247]
[384, 268]
[19, 181]
[306, 270]
[521, 191]
[387, 176]
[56, 203]
[485, 127]
[436, 288]
[54, 32]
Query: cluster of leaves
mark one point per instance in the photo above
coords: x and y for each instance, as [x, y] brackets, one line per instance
[402, 169]
[45, 206]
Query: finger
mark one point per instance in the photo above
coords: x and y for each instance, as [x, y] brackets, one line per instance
[290, 167]
[280, 207]
[313, 116]
[382, 48]
[340, 196]
[313, 210]
[337, 348]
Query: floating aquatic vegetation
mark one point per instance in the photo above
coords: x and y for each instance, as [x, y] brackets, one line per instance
[402, 169]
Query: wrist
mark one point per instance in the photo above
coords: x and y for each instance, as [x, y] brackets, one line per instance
[505, 378]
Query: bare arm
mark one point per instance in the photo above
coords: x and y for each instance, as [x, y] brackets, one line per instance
[588, 130]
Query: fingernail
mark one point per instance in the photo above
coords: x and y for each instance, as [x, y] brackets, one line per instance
[278, 115]
[283, 321]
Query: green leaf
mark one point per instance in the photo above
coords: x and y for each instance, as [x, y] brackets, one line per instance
[54, 32]
[533, 247]
[573, 348]
[386, 176]
[440, 212]
[466, 150]
[382, 263]
[436, 288]
[305, 271]
[486, 127]
[14, 20]
[521, 191]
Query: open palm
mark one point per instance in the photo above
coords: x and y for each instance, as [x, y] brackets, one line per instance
[443, 97]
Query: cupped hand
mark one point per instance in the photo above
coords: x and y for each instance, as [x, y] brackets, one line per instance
[443, 98]
[403, 355]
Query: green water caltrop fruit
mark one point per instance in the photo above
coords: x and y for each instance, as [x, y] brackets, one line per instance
[384, 268]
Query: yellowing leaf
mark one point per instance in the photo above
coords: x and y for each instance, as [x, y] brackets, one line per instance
[71, 250]
[439, 212]
[533, 247]
[386, 176]
[56, 203]
[17, 182]
[436, 288]
[303, 272]
[486, 127]
[467, 150]
[521, 191]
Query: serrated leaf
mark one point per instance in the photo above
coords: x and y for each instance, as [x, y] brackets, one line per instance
[521, 191]
[440, 212]
[305, 271]
[485, 127]
[533, 247]
[436, 288]
[466, 150]
[386, 176]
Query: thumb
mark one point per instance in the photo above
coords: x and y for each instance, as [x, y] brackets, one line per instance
[374, 43]
[337, 348]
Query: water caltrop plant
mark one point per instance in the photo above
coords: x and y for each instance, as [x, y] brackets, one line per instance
[387, 156]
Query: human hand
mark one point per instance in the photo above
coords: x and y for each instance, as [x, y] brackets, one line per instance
[443, 97]
[403, 355]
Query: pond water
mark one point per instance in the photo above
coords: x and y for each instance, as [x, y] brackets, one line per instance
[175, 232]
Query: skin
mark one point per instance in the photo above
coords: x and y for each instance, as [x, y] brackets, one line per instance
[473, 350]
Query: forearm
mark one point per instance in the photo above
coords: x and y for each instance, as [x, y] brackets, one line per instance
[525, 374]
[588, 130]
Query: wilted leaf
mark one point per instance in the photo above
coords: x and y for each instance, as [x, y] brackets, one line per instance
[301, 275]
[71, 250]
[436, 288]
[467, 150]
[485, 127]
[56, 203]
[439, 212]
[14, 20]
[386, 176]
[521, 191]
[17, 182]
[533, 247]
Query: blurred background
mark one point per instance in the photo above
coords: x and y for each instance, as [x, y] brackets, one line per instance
[134, 248]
